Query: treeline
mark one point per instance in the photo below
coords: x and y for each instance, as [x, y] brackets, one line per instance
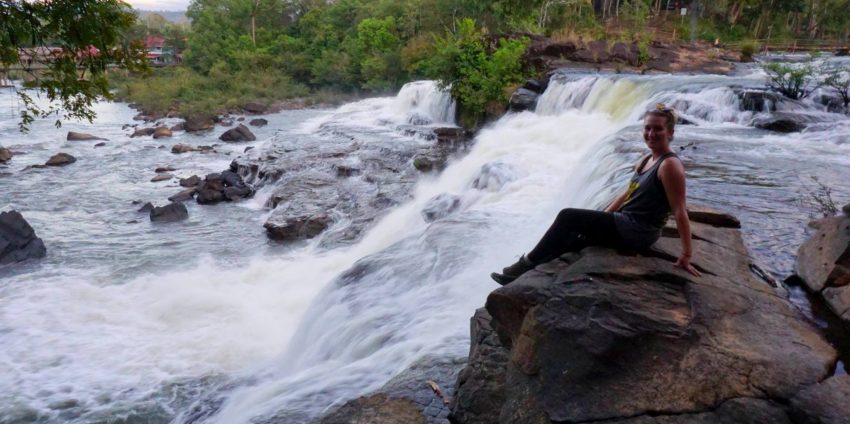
[273, 49]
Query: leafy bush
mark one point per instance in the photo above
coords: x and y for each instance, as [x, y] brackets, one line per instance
[748, 49]
[794, 81]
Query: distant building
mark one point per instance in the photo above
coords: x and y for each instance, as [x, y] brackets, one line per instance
[158, 53]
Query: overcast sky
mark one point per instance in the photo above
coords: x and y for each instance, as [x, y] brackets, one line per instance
[179, 5]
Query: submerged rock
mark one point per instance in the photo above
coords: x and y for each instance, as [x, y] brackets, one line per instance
[78, 136]
[298, 227]
[5, 154]
[240, 133]
[781, 122]
[604, 337]
[171, 212]
[823, 263]
[199, 123]
[182, 148]
[161, 177]
[143, 132]
[60, 159]
[523, 99]
[258, 122]
[192, 181]
[18, 241]
[440, 206]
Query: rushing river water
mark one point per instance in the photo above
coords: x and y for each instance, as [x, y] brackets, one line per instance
[206, 320]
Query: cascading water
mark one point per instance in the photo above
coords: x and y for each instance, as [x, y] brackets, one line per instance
[290, 332]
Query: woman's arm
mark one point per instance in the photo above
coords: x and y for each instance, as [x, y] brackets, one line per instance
[615, 205]
[672, 174]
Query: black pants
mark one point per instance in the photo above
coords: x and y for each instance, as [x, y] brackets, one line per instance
[573, 230]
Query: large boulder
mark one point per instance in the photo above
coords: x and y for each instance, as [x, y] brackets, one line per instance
[825, 403]
[199, 123]
[78, 136]
[18, 241]
[297, 227]
[143, 132]
[255, 108]
[607, 337]
[523, 99]
[5, 154]
[240, 133]
[258, 122]
[161, 132]
[781, 122]
[823, 263]
[60, 159]
[171, 212]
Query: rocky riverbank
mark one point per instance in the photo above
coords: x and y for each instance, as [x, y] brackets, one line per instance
[605, 336]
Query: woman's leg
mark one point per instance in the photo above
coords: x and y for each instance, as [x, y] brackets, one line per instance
[573, 230]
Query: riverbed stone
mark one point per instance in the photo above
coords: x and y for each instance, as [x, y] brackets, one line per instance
[198, 123]
[60, 159]
[823, 263]
[781, 122]
[523, 99]
[192, 181]
[78, 136]
[171, 212]
[143, 132]
[18, 241]
[258, 122]
[5, 154]
[255, 108]
[440, 206]
[184, 195]
[161, 177]
[240, 133]
[606, 336]
[827, 402]
[182, 148]
[162, 132]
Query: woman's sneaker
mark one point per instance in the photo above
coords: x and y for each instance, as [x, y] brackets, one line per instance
[512, 272]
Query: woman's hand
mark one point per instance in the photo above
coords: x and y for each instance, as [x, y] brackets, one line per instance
[684, 262]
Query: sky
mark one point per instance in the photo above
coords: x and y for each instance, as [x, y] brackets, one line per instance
[178, 5]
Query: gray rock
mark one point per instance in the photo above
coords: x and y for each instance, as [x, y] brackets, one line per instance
[523, 99]
[494, 175]
[781, 122]
[60, 159]
[258, 122]
[419, 119]
[161, 132]
[171, 212]
[18, 241]
[184, 195]
[143, 132]
[375, 409]
[255, 108]
[182, 148]
[192, 181]
[177, 127]
[596, 336]
[101, 144]
[162, 177]
[146, 208]
[240, 133]
[297, 227]
[827, 402]
[440, 206]
[199, 123]
[5, 154]
[77, 136]
[824, 259]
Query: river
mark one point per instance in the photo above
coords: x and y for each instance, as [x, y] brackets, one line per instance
[207, 320]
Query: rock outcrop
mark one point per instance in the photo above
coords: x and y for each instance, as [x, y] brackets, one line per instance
[18, 241]
[601, 336]
[78, 136]
[824, 403]
[5, 154]
[240, 133]
[781, 122]
[171, 212]
[60, 159]
[823, 263]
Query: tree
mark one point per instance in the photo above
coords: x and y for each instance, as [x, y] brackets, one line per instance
[839, 80]
[65, 47]
[795, 81]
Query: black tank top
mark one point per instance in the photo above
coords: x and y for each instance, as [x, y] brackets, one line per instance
[646, 201]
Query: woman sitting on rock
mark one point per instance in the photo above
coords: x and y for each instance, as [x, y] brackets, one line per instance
[635, 218]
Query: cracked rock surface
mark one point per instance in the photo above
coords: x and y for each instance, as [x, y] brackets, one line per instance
[606, 336]
[823, 263]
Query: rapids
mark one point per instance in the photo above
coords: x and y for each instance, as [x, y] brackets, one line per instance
[207, 321]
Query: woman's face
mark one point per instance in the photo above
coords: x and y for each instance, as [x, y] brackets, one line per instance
[655, 132]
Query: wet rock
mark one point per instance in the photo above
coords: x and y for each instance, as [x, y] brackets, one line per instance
[143, 132]
[375, 409]
[711, 216]
[199, 123]
[823, 263]
[842, 52]
[167, 168]
[184, 195]
[440, 206]
[192, 181]
[255, 108]
[494, 175]
[297, 227]
[234, 193]
[60, 159]
[258, 122]
[758, 101]
[535, 86]
[827, 402]
[599, 336]
[146, 208]
[240, 119]
[100, 144]
[162, 177]
[5, 154]
[419, 119]
[171, 212]
[240, 133]
[523, 99]
[559, 49]
[226, 123]
[346, 171]
[161, 132]
[451, 134]
[18, 241]
[780, 122]
[177, 127]
[424, 163]
[846, 209]
[182, 148]
[78, 136]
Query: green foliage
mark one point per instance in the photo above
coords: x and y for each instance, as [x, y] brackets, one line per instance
[88, 35]
[838, 80]
[748, 49]
[794, 81]
[475, 76]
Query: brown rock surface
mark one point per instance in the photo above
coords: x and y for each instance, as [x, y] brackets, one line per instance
[825, 403]
[5, 154]
[78, 136]
[375, 409]
[161, 132]
[60, 159]
[823, 263]
[598, 336]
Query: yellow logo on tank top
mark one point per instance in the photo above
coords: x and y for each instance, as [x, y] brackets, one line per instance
[633, 186]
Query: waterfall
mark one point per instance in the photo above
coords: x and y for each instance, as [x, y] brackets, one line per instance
[426, 99]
